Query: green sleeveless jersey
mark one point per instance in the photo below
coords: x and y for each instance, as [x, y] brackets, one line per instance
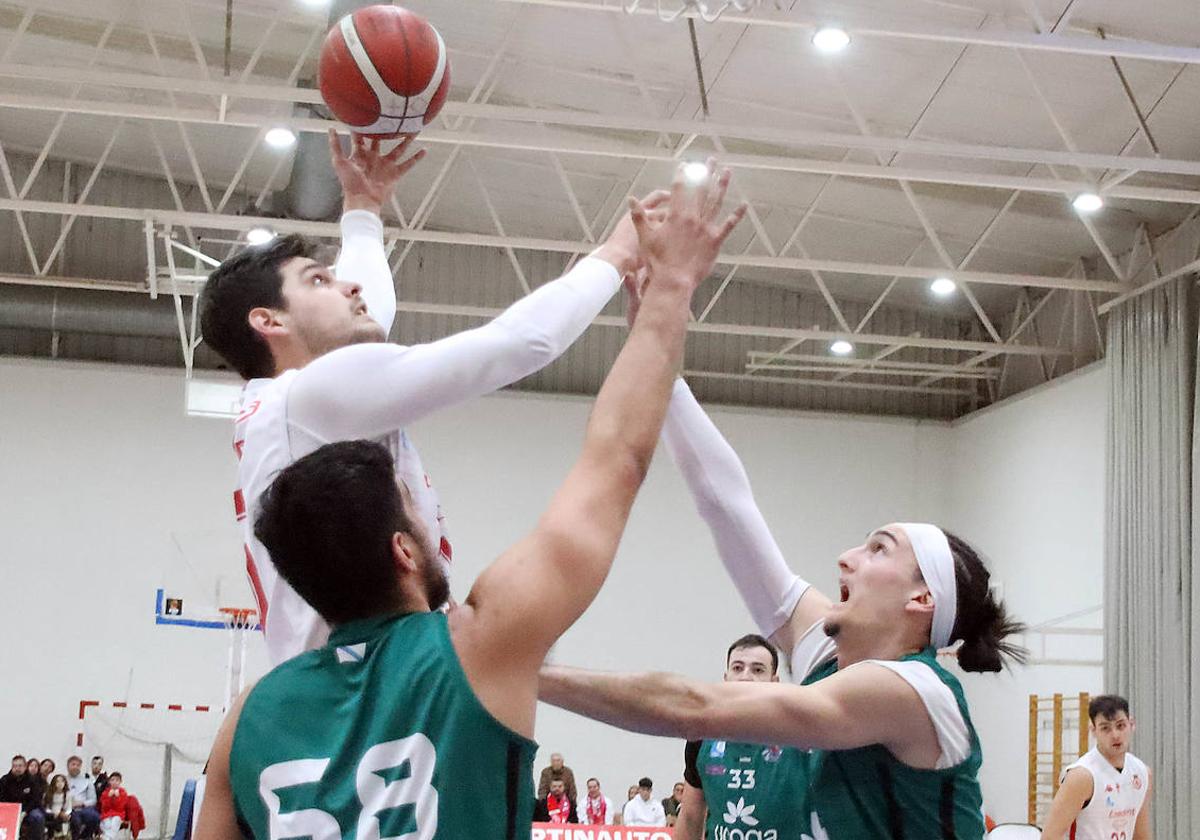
[378, 735]
[753, 792]
[868, 792]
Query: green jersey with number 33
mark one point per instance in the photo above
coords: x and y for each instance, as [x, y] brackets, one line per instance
[753, 792]
[378, 734]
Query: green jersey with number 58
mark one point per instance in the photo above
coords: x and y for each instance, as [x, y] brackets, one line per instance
[378, 734]
[753, 792]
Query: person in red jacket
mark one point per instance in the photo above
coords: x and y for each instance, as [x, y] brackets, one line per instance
[113, 803]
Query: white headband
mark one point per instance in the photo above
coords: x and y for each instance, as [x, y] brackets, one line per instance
[937, 567]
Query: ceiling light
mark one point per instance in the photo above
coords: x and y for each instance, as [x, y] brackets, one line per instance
[841, 348]
[943, 286]
[280, 138]
[831, 39]
[259, 236]
[1087, 202]
[695, 172]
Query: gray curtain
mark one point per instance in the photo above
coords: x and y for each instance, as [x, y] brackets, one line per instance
[1151, 635]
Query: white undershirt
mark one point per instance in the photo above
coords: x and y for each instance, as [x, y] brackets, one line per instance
[814, 649]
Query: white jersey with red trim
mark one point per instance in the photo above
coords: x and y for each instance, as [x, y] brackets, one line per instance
[1117, 797]
[374, 391]
[266, 445]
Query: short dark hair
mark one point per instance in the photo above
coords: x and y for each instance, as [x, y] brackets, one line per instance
[74, 758]
[753, 640]
[97, 758]
[982, 623]
[645, 782]
[243, 282]
[1107, 706]
[333, 511]
[18, 757]
[115, 775]
[592, 779]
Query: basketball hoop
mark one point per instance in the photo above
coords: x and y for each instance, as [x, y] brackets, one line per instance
[237, 618]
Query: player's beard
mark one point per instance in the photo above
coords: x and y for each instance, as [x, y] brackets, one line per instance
[434, 581]
[362, 331]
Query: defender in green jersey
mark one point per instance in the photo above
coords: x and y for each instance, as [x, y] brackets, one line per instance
[413, 723]
[736, 791]
[895, 753]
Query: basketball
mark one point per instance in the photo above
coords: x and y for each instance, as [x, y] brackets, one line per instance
[383, 71]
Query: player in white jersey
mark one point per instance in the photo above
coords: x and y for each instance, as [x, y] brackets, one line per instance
[312, 343]
[1105, 795]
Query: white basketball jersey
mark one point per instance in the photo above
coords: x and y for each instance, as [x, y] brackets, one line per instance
[1116, 798]
[266, 444]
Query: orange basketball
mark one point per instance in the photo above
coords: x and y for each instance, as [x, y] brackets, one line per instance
[383, 71]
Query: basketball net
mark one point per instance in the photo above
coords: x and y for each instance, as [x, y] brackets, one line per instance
[239, 623]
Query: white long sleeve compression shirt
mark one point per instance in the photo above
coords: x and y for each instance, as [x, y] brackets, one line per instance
[723, 496]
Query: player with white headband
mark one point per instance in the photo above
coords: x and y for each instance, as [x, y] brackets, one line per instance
[892, 735]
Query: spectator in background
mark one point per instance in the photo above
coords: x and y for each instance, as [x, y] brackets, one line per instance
[13, 782]
[46, 768]
[596, 808]
[633, 791]
[100, 778]
[671, 803]
[113, 803]
[557, 770]
[556, 806]
[643, 809]
[85, 819]
[33, 801]
[57, 803]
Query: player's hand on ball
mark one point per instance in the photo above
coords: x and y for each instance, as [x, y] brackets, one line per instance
[367, 176]
[685, 245]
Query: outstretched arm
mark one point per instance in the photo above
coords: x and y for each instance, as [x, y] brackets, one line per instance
[782, 604]
[391, 386]
[368, 179]
[528, 597]
[853, 708]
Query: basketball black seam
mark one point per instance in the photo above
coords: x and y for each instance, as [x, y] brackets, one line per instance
[407, 69]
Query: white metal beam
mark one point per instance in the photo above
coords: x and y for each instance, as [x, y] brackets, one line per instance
[330, 229]
[575, 144]
[191, 284]
[1023, 40]
[562, 117]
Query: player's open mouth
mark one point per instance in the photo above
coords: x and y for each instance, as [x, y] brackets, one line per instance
[844, 591]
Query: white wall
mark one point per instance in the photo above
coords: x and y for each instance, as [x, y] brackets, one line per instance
[1027, 488]
[110, 491]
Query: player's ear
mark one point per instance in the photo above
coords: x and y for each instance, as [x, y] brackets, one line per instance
[266, 321]
[404, 553]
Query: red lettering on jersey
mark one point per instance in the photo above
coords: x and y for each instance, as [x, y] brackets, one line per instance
[248, 411]
[260, 597]
[238, 446]
[239, 505]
